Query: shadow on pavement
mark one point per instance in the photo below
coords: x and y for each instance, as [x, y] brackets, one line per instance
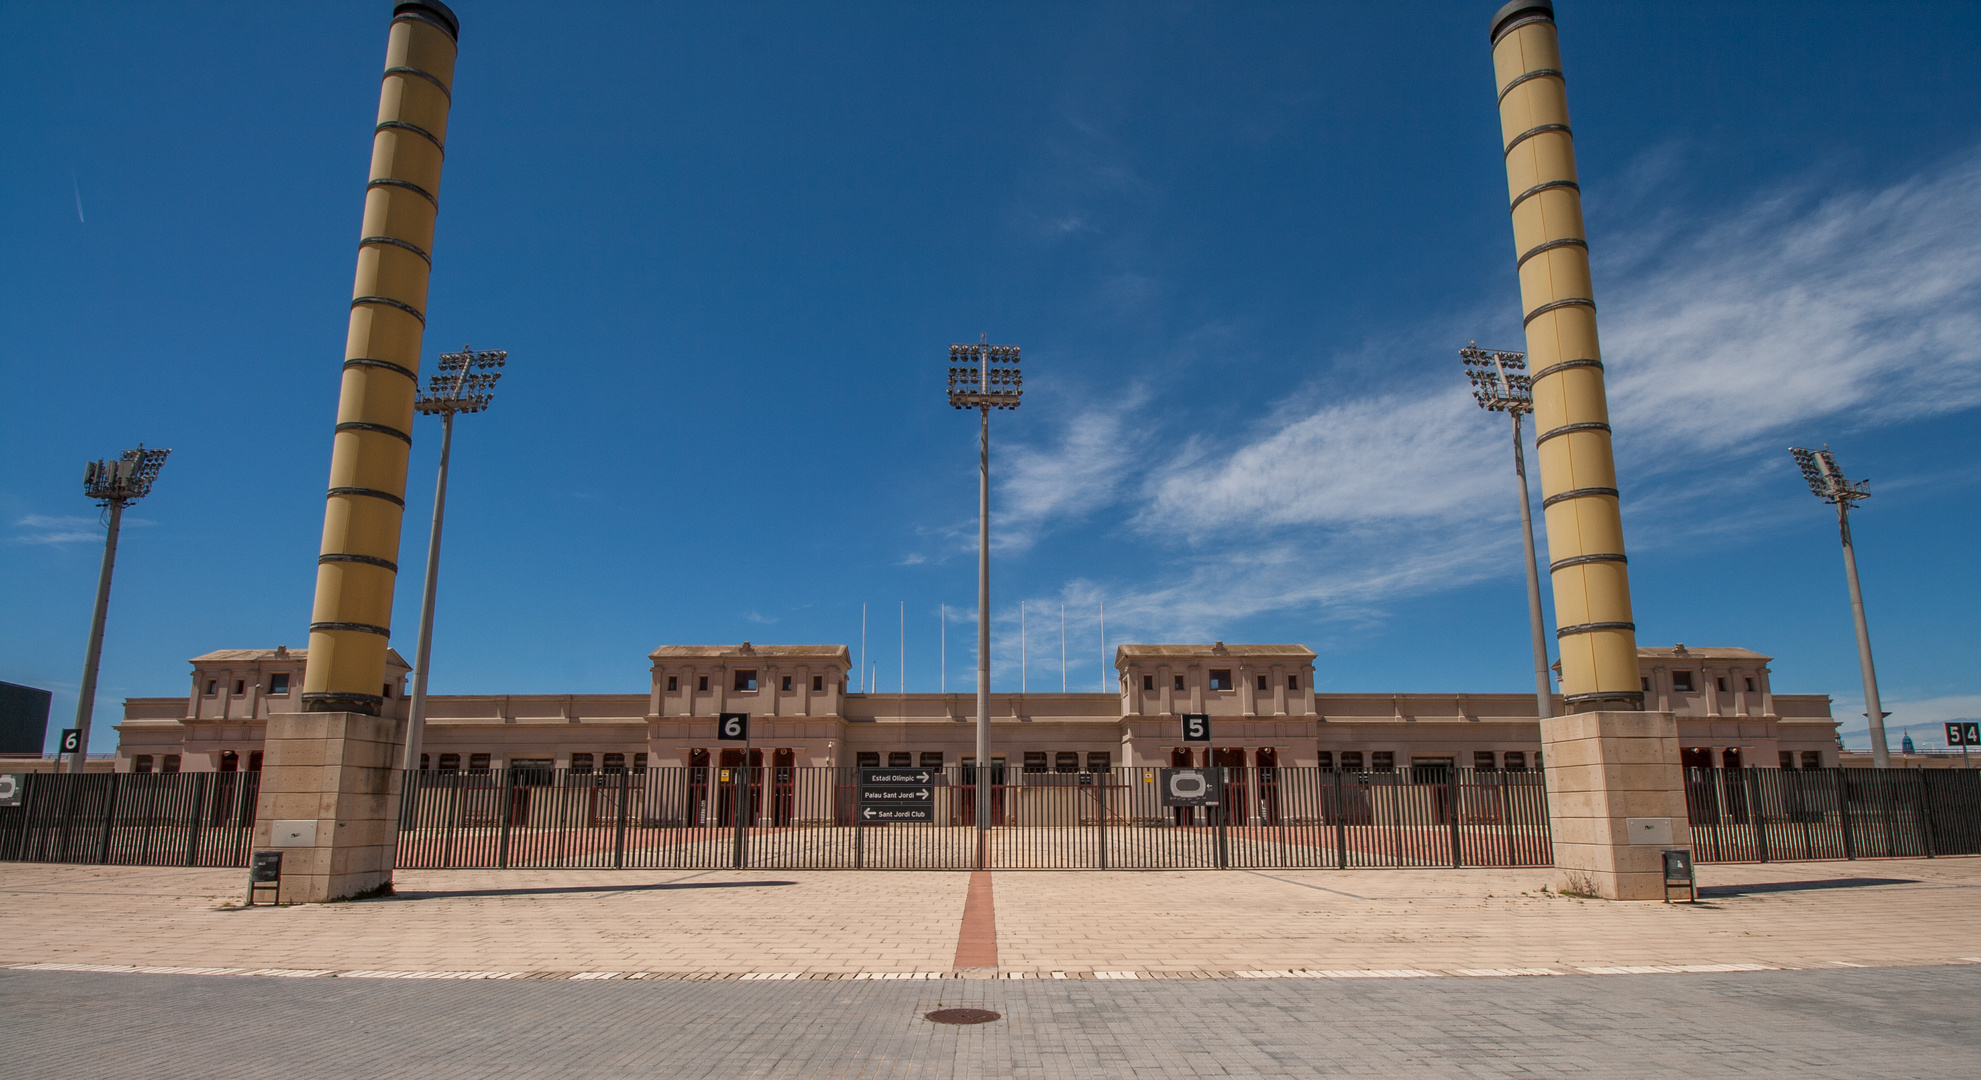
[432, 894]
[1802, 886]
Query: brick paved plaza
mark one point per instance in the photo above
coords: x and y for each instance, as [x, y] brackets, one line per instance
[1831, 969]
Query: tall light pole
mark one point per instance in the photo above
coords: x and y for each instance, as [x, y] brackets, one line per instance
[1819, 467]
[984, 377]
[1500, 384]
[114, 484]
[465, 383]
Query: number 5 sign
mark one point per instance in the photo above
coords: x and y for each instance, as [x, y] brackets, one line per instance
[1964, 733]
[1196, 727]
[733, 727]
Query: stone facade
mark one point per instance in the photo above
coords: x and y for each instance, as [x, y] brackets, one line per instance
[1261, 699]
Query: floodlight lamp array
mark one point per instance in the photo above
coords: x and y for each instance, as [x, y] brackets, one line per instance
[124, 479]
[985, 377]
[1499, 379]
[1826, 479]
[465, 382]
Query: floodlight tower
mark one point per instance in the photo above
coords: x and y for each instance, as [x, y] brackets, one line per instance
[114, 484]
[1500, 384]
[984, 377]
[1819, 467]
[465, 383]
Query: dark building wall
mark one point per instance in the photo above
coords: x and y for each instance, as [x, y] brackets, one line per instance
[23, 718]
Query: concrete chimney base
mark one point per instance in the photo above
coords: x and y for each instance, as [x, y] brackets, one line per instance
[1616, 800]
[330, 803]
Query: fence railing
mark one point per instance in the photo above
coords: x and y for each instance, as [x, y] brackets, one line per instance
[808, 818]
[1762, 815]
[132, 819]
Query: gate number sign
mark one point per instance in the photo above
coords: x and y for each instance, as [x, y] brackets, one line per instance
[1196, 727]
[1964, 733]
[733, 727]
[72, 740]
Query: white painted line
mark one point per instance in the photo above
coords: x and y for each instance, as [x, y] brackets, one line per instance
[1502, 973]
[1115, 975]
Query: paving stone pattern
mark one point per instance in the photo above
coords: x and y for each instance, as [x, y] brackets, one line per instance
[1872, 1022]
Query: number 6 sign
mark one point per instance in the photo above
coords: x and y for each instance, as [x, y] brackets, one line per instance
[733, 727]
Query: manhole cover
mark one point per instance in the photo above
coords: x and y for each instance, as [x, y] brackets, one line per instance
[962, 1016]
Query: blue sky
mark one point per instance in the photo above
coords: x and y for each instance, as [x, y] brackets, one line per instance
[726, 247]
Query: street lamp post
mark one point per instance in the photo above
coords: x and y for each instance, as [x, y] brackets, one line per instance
[1500, 384]
[114, 484]
[984, 377]
[1819, 467]
[465, 383]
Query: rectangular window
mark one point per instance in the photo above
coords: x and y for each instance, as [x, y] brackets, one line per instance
[1326, 759]
[1482, 759]
[141, 763]
[639, 763]
[746, 679]
[478, 762]
[673, 683]
[1066, 761]
[1262, 683]
[1382, 761]
[1516, 761]
[1644, 682]
[1682, 681]
[171, 763]
[1179, 682]
[581, 763]
[1099, 761]
[1750, 684]
[1293, 682]
[613, 763]
[1720, 683]
[1351, 760]
[240, 687]
[1812, 759]
[1788, 759]
[423, 763]
[212, 687]
[701, 685]
[278, 684]
[818, 682]
[1220, 678]
[1035, 761]
[931, 759]
[387, 692]
[867, 759]
[450, 763]
[1148, 682]
[787, 684]
[1537, 760]
[900, 759]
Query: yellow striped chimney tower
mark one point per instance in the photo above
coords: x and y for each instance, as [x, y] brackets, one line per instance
[1598, 640]
[352, 617]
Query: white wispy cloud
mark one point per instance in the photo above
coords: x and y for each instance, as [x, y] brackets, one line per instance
[57, 529]
[1863, 306]
[1723, 335]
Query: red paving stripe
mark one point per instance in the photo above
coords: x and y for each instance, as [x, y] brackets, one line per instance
[976, 940]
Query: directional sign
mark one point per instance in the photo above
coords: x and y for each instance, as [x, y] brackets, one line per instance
[733, 727]
[911, 777]
[896, 796]
[1196, 727]
[1192, 787]
[1964, 733]
[13, 788]
[877, 814]
[72, 740]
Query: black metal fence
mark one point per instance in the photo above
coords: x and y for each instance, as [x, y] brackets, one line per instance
[808, 818]
[132, 819]
[1758, 815]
